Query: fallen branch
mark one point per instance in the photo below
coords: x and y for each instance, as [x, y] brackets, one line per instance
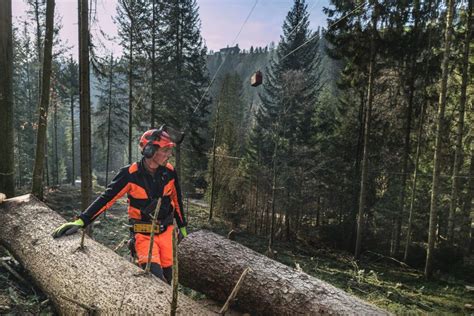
[121, 244]
[234, 293]
[14, 273]
[403, 264]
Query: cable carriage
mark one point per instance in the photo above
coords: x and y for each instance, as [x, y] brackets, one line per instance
[256, 79]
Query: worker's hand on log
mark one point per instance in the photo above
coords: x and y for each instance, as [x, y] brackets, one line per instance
[68, 228]
[182, 233]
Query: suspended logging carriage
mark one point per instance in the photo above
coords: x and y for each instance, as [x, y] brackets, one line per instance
[256, 79]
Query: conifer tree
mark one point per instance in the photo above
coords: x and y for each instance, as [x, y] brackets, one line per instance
[41, 140]
[130, 20]
[183, 84]
[227, 144]
[285, 117]
[111, 119]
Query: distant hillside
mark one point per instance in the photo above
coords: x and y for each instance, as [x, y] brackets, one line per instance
[246, 64]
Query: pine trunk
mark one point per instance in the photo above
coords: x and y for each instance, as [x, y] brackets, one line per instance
[97, 278]
[466, 227]
[406, 150]
[41, 141]
[56, 156]
[270, 288]
[458, 157]
[153, 65]
[364, 167]
[440, 129]
[213, 171]
[130, 93]
[7, 165]
[85, 108]
[109, 120]
[71, 99]
[413, 187]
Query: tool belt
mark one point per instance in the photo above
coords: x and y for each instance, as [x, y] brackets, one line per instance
[145, 228]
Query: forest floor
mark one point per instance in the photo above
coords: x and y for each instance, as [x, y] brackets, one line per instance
[375, 278]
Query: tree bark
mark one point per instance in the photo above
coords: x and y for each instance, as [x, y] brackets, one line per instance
[41, 141]
[96, 277]
[85, 106]
[130, 91]
[71, 98]
[109, 120]
[439, 133]
[271, 288]
[407, 148]
[413, 186]
[458, 157]
[370, 97]
[7, 183]
[466, 227]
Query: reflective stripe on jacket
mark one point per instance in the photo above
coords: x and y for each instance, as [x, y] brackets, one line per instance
[142, 190]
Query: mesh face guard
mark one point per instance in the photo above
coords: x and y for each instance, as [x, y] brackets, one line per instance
[174, 135]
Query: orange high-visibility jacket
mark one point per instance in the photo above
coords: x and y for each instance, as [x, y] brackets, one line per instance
[142, 190]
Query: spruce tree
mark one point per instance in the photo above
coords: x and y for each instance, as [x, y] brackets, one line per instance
[227, 145]
[284, 119]
[183, 85]
[130, 19]
[111, 124]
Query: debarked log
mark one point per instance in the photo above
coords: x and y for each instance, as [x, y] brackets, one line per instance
[91, 281]
[212, 264]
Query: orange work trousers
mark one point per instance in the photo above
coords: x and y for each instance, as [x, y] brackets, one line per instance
[162, 252]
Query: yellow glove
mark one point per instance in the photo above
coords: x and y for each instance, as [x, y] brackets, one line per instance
[68, 228]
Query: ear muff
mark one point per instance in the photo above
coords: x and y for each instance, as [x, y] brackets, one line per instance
[149, 150]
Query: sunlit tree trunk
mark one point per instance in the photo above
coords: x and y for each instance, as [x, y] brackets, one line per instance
[7, 165]
[440, 127]
[41, 141]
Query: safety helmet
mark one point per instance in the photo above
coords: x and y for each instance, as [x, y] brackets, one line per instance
[153, 139]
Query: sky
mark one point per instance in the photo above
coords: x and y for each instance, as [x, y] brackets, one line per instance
[221, 21]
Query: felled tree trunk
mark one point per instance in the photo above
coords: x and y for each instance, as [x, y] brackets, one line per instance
[212, 265]
[95, 280]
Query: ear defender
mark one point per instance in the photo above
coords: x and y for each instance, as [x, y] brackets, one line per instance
[149, 150]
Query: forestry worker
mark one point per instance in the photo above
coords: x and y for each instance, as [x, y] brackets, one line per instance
[144, 182]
